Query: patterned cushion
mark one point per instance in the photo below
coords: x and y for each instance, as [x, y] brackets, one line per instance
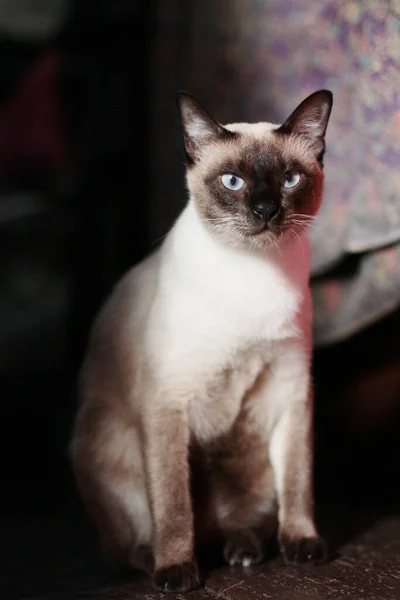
[257, 60]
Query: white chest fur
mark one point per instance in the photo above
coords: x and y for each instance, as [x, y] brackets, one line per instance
[229, 297]
[220, 315]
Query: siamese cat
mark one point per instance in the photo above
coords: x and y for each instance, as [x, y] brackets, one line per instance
[196, 405]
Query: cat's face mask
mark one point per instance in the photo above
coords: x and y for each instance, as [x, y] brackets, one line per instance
[255, 182]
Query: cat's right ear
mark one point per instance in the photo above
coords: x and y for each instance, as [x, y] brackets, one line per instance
[310, 120]
[199, 128]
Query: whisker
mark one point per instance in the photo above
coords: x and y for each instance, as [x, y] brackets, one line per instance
[154, 242]
[298, 222]
[302, 226]
[305, 216]
[305, 223]
[300, 239]
[314, 218]
[278, 249]
[219, 219]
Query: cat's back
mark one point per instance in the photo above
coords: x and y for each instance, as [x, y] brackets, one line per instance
[111, 355]
[130, 301]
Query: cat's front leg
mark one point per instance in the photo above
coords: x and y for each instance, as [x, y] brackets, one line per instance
[291, 453]
[166, 439]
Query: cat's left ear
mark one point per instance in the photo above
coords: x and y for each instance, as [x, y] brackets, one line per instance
[199, 128]
[310, 120]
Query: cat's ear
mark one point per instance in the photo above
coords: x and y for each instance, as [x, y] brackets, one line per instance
[310, 120]
[199, 128]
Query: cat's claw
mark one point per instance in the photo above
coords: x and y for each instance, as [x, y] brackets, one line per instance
[297, 551]
[177, 578]
[243, 548]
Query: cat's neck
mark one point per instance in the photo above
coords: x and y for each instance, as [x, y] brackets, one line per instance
[190, 234]
[191, 246]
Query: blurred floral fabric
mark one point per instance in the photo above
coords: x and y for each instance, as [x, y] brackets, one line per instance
[256, 60]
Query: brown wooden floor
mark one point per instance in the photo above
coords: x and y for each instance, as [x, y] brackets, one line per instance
[57, 558]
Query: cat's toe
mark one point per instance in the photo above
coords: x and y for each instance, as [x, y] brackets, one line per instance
[298, 551]
[243, 548]
[177, 578]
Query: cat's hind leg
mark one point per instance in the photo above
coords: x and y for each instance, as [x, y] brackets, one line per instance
[108, 467]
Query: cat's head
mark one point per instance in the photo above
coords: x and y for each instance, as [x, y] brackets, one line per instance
[256, 183]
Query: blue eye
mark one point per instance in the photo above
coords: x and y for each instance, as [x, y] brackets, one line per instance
[292, 178]
[232, 182]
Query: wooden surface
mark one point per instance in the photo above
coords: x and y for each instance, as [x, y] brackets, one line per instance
[56, 557]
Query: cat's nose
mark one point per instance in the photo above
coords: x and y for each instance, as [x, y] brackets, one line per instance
[266, 211]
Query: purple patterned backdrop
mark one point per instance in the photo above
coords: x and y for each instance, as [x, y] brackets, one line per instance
[256, 60]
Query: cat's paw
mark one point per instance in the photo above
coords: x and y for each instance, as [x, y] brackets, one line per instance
[243, 548]
[177, 578]
[297, 551]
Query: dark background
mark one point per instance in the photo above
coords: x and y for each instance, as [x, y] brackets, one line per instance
[80, 207]
[87, 175]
